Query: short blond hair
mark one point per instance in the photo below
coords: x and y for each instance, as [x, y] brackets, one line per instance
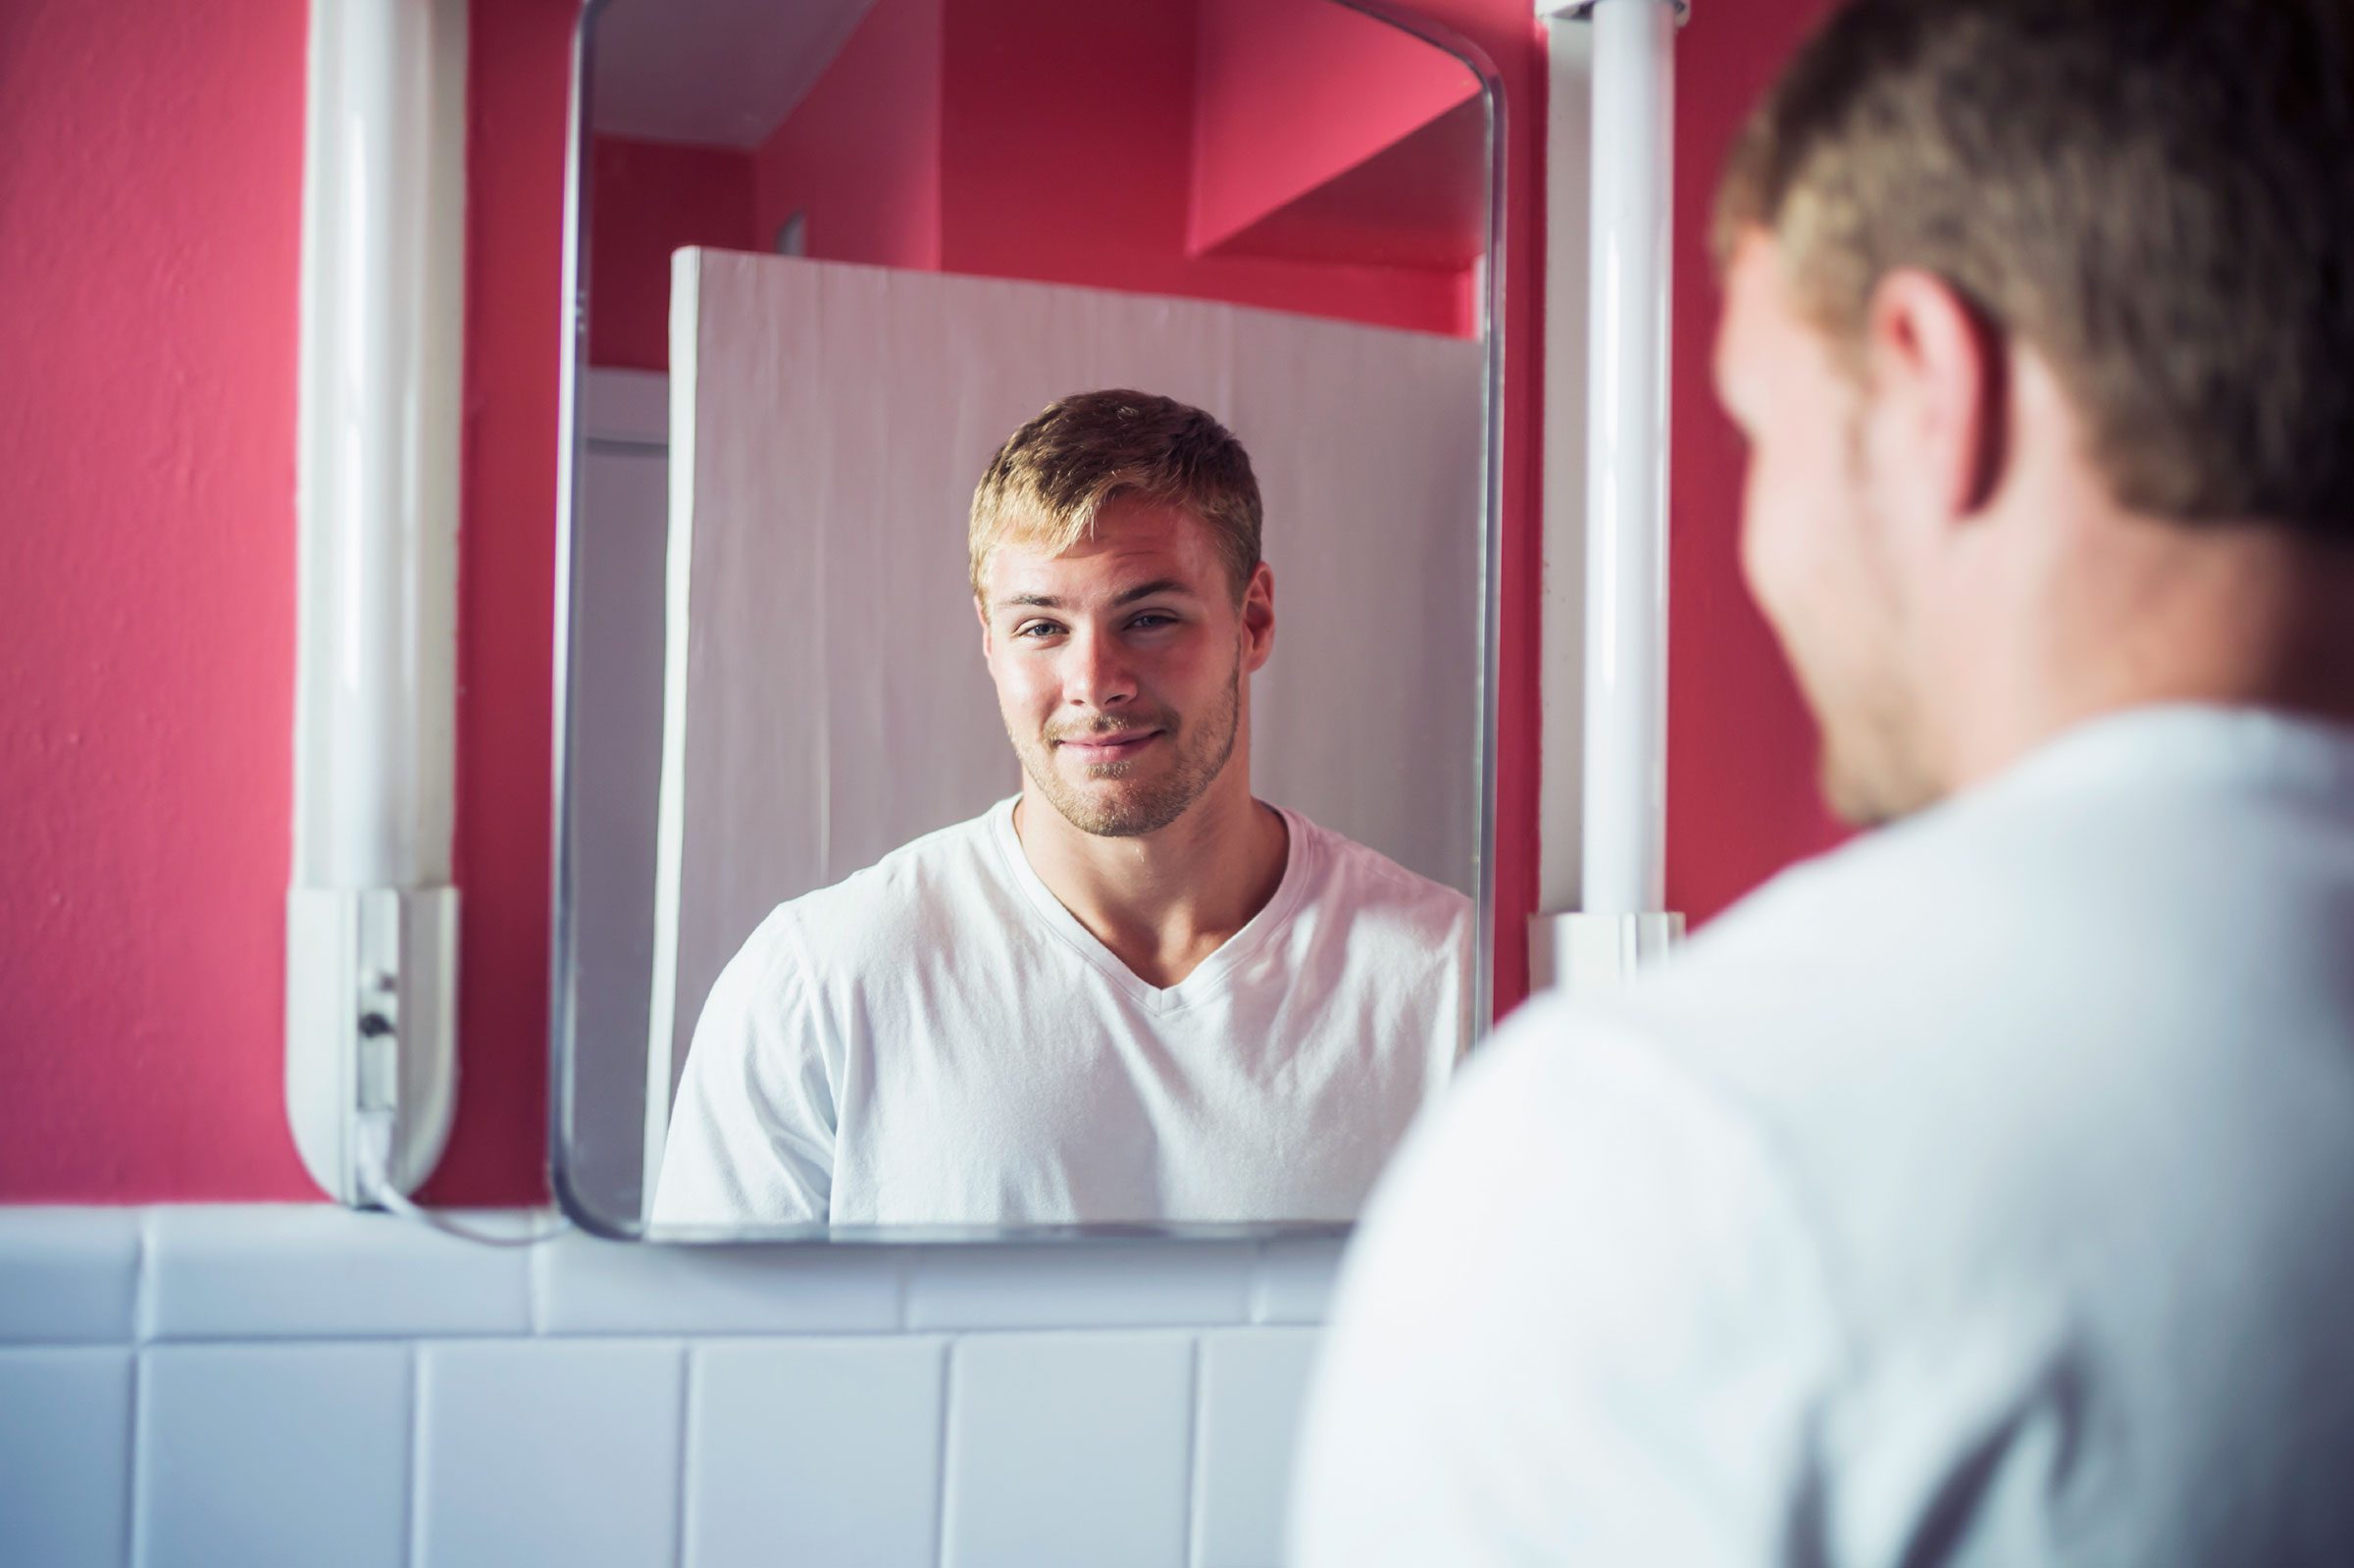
[1054, 477]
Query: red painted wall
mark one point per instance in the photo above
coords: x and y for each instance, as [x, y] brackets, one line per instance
[860, 156]
[1047, 87]
[149, 249]
[1267, 132]
[655, 198]
[518, 98]
[151, 157]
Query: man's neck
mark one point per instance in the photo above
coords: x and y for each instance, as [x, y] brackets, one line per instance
[1162, 901]
[2245, 616]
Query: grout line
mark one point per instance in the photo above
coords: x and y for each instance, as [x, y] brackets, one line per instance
[1196, 1429]
[941, 1491]
[690, 1372]
[142, 1283]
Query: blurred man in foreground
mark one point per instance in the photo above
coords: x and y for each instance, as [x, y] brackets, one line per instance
[1982, 1192]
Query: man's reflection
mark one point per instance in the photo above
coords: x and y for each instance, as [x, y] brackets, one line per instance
[1133, 991]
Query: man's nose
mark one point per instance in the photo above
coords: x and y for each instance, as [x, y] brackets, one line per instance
[1097, 676]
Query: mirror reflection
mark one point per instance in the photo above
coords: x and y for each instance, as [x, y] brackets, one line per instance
[1024, 689]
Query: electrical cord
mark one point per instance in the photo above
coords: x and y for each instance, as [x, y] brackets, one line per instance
[375, 1183]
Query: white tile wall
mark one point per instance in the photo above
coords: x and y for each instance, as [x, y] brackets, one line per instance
[540, 1451]
[1067, 1451]
[298, 1383]
[1251, 1388]
[65, 1454]
[311, 1271]
[268, 1454]
[815, 1451]
[73, 1275]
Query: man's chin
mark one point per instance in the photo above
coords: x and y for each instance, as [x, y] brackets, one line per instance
[1116, 808]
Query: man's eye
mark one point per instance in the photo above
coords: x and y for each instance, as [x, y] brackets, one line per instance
[1038, 629]
[1152, 619]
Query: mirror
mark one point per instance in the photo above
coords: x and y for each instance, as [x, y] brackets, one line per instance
[1094, 848]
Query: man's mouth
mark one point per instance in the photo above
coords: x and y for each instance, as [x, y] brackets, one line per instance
[1102, 749]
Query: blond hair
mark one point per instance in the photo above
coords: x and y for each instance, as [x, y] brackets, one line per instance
[2156, 196]
[1054, 477]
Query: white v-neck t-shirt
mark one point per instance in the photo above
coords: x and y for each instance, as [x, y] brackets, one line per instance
[935, 1040]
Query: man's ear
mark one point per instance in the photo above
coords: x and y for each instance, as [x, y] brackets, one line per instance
[981, 611]
[1258, 617]
[1939, 372]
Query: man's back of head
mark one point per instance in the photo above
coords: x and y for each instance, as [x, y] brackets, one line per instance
[2040, 322]
[1984, 1191]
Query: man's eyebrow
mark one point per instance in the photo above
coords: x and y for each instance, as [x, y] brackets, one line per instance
[1143, 590]
[1146, 590]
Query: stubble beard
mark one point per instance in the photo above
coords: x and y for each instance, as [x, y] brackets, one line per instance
[1203, 751]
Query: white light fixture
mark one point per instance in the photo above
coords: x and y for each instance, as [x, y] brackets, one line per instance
[1621, 922]
[372, 918]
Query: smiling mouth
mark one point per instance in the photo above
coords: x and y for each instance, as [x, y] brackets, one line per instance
[1108, 748]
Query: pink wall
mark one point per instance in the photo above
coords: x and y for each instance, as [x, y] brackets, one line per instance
[860, 156]
[1267, 132]
[1047, 87]
[148, 263]
[656, 198]
[151, 154]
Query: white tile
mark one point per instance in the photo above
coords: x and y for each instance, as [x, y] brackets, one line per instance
[587, 1286]
[1069, 1449]
[263, 1455]
[69, 1274]
[319, 1271]
[1080, 1284]
[815, 1451]
[65, 1456]
[1293, 1282]
[1251, 1385]
[535, 1453]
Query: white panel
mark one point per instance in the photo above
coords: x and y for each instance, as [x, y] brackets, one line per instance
[1066, 1451]
[548, 1453]
[1367, 447]
[274, 1456]
[65, 1456]
[586, 1286]
[1252, 1382]
[68, 1274]
[312, 1270]
[838, 420]
[1096, 1286]
[822, 1452]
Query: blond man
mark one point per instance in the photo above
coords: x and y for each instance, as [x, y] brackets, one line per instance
[1984, 1191]
[1132, 994]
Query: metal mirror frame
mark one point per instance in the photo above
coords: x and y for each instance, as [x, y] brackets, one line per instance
[572, 449]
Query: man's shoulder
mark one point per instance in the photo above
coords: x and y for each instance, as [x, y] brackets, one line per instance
[1372, 887]
[893, 909]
